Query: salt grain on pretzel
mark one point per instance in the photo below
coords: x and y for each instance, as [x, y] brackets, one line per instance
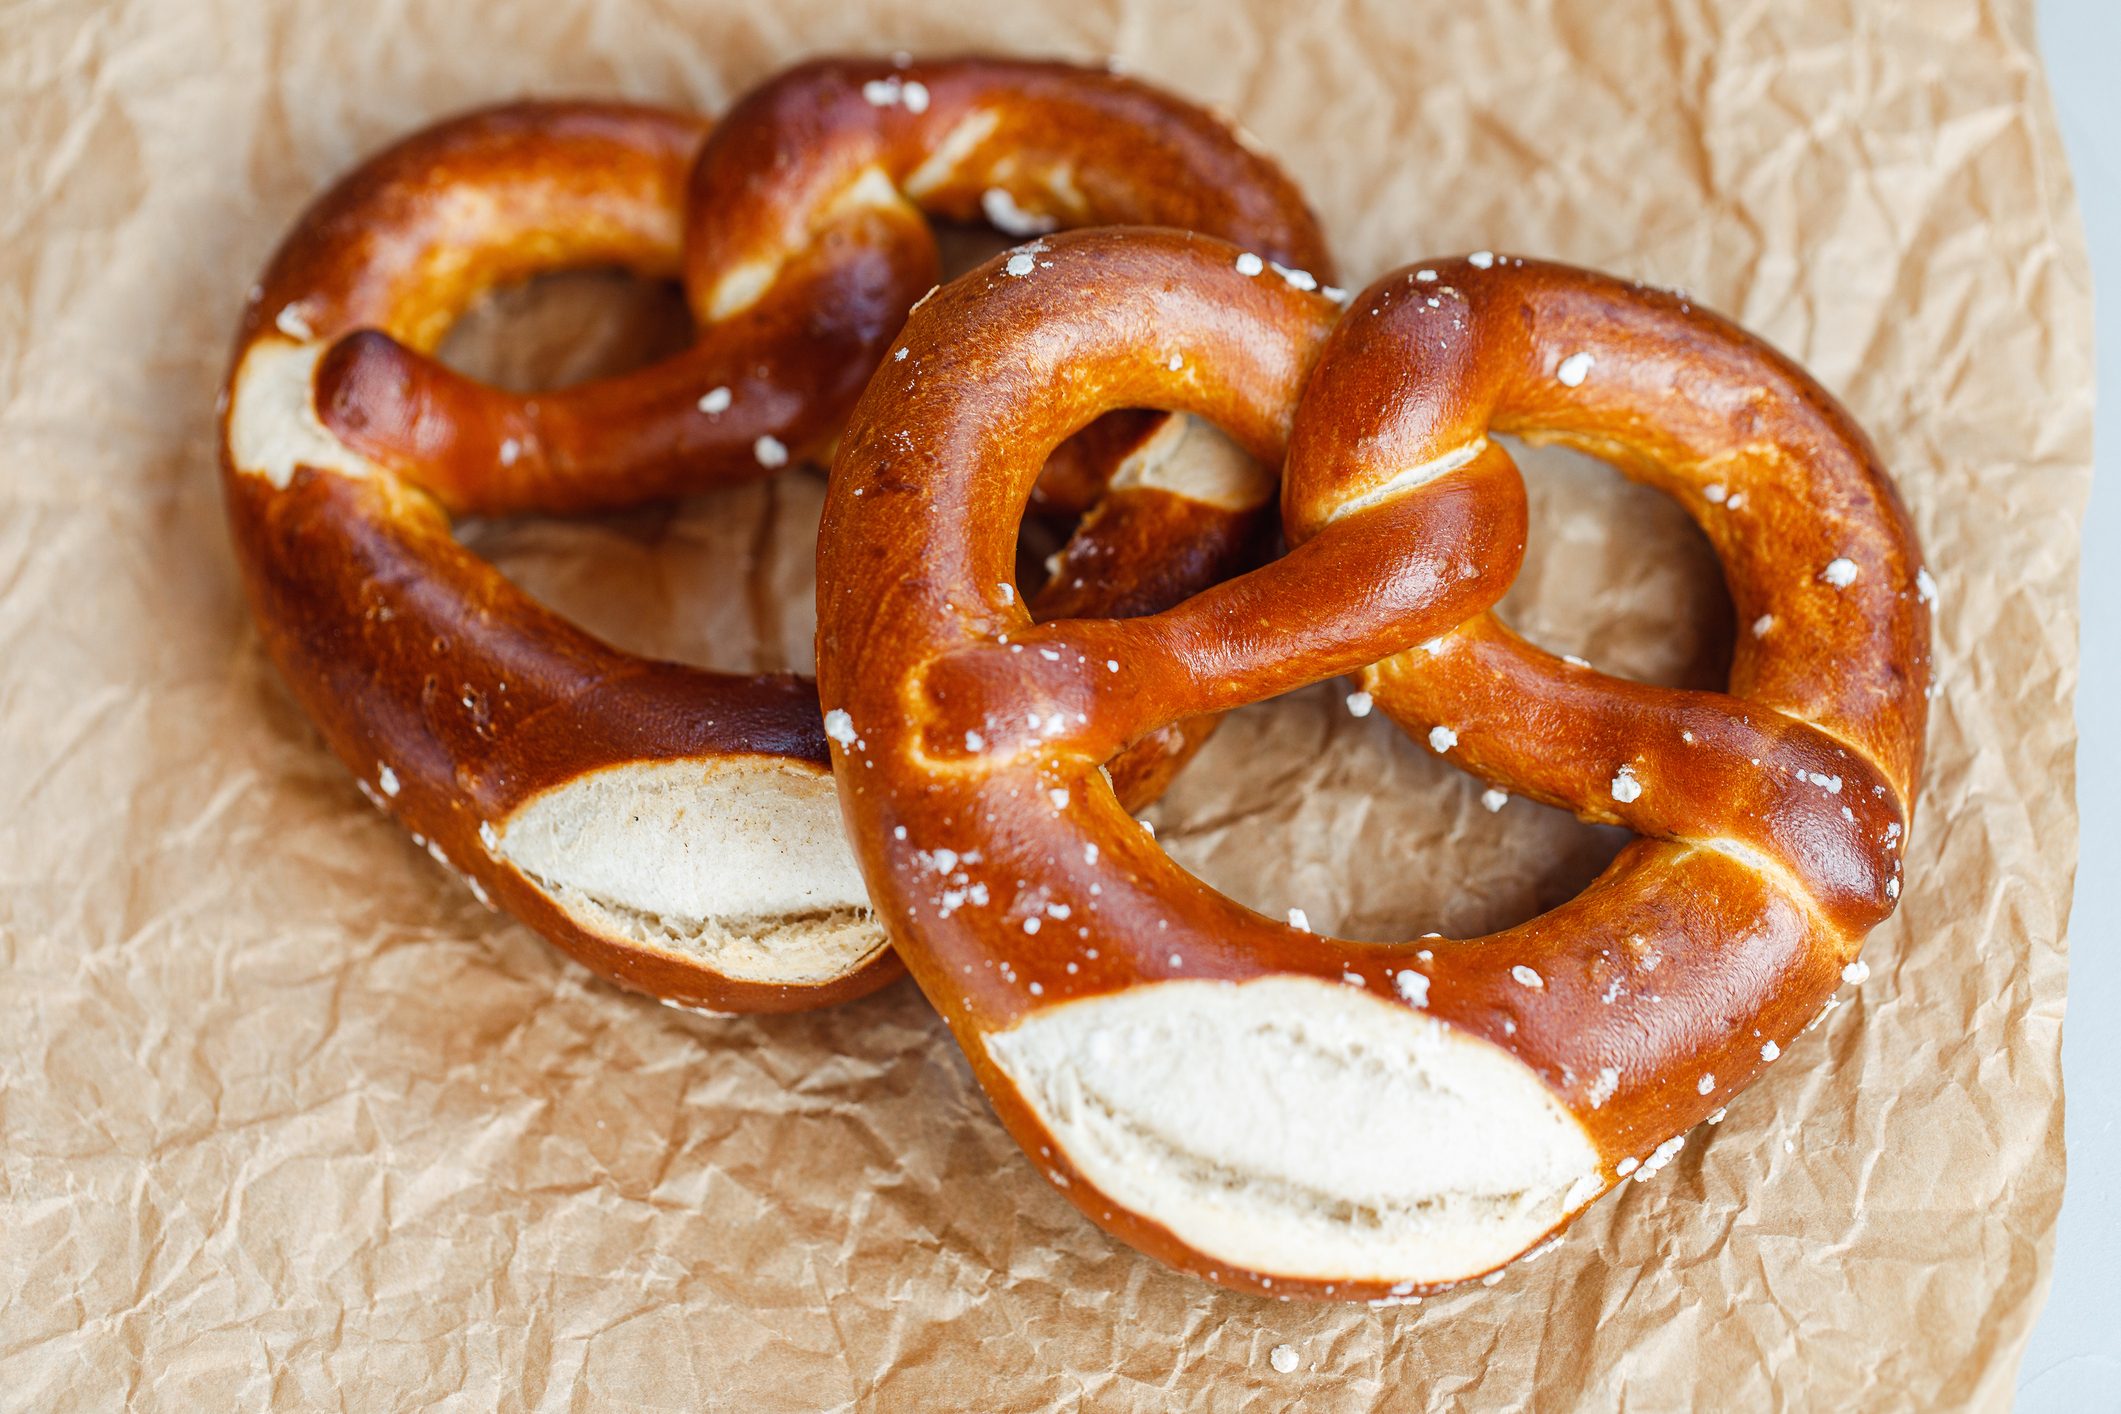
[674, 829]
[1281, 1110]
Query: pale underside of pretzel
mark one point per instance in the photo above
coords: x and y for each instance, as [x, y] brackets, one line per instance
[1301, 1114]
[672, 828]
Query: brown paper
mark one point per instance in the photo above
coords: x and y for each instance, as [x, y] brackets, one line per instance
[289, 1120]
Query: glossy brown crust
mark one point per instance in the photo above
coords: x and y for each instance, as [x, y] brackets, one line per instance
[454, 697]
[1643, 1004]
[804, 240]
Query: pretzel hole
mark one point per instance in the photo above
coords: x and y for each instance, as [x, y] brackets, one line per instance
[656, 580]
[1616, 573]
[568, 327]
[1296, 803]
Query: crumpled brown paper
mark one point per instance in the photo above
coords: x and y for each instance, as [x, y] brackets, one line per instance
[288, 1120]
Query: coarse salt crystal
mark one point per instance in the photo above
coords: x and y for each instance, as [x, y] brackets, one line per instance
[1839, 572]
[1856, 973]
[715, 401]
[891, 92]
[1359, 704]
[1574, 369]
[1626, 789]
[1299, 920]
[1494, 799]
[1020, 265]
[1442, 739]
[1526, 977]
[1250, 264]
[1660, 1157]
[839, 726]
[770, 451]
[1413, 986]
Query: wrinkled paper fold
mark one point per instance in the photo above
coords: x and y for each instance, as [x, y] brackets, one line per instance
[289, 1120]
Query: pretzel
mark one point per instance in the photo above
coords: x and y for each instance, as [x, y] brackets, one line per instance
[671, 828]
[1292, 1113]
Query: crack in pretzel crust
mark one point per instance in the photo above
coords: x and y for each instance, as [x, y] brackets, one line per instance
[781, 949]
[676, 830]
[273, 425]
[738, 863]
[1281, 1110]
[1301, 1127]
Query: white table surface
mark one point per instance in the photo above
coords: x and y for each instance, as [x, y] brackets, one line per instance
[2074, 1362]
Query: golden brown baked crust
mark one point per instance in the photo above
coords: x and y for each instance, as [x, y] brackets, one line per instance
[669, 827]
[1282, 1111]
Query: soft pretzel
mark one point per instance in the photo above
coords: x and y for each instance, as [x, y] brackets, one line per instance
[674, 829]
[1287, 1112]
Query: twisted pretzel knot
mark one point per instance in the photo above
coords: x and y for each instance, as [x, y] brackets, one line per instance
[1363, 1119]
[673, 828]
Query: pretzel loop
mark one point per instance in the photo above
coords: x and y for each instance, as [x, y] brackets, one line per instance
[804, 240]
[1801, 771]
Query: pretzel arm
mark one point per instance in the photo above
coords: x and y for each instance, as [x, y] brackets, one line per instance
[650, 434]
[1085, 688]
[1702, 768]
